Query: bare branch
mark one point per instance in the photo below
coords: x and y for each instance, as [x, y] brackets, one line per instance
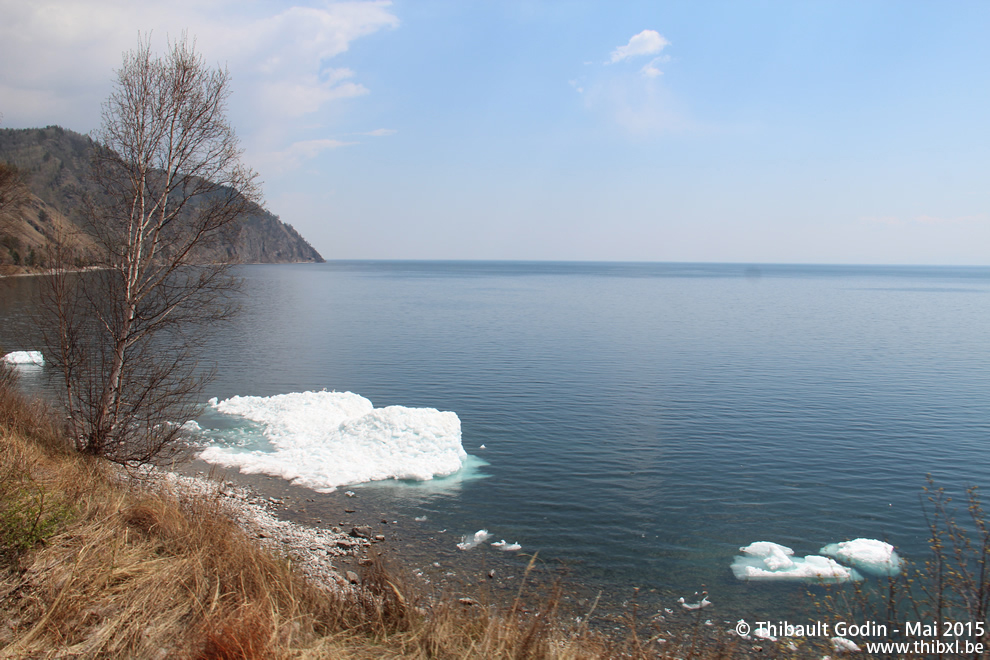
[171, 185]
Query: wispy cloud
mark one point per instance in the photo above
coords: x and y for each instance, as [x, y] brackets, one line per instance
[297, 153]
[647, 42]
[382, 132]
[635, 100]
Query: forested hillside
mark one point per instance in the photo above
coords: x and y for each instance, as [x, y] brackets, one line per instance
[54, 163]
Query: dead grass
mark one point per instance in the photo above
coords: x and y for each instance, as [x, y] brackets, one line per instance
[116, 571]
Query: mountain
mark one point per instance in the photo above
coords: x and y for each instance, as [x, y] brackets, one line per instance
[55, 163]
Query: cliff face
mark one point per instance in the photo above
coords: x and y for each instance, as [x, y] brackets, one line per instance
[55, 163]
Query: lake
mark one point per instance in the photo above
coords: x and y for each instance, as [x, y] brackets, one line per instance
[640, 422]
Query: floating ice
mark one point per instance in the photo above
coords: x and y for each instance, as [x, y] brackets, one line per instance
[868, 555]
[774, 555]
[24, 359]
[323, 440]
[468, 542]
[700, 604]
[506, 547]
[770, 561]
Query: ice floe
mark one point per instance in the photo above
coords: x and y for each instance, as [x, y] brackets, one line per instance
[506, 547]
[764, 560]
[24, 359]
[868, 555]
[324, 440]
[468, 542]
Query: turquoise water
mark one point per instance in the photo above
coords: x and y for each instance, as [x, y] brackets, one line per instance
[641, 422]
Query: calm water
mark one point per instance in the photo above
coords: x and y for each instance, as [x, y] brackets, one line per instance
[643, 421]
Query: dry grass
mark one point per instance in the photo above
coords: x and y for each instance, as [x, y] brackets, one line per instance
[96, 568]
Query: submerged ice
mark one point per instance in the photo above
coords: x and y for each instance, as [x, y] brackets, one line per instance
[323, 440]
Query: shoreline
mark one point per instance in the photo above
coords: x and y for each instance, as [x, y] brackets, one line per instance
[274, 512]
[313, 550]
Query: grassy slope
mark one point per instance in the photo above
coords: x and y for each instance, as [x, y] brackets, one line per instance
[95, 566]
[100, 568]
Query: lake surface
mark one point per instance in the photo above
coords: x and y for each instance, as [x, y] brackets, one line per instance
[641, 422]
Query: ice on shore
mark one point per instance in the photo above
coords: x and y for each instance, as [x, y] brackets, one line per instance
[323, 440]
[764, 560]
[868, 555]
[24, 359]
[468, 542]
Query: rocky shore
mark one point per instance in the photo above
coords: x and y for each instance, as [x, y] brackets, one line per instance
[316, 552]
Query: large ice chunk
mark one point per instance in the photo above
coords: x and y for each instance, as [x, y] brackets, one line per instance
[323, 440]
[765, 560]
[868, 555]
[24, 359]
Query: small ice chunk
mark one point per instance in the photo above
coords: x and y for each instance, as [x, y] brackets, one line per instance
[774, 555]
[468, 542]
[24, 359]
[868, 555]
[809, 568]
[482, 447]
[698, 605]
[506, 547]
[843, 645]
[420, 518]
[349, 493]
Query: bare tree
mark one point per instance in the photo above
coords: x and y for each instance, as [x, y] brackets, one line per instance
[171, 188]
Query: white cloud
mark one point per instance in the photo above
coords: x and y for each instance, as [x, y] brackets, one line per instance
[647, 42]
[382, 132]
[279, 57]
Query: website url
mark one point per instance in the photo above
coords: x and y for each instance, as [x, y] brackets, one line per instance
[925, 647]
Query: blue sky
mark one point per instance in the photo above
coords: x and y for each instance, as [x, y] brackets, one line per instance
[828, 132]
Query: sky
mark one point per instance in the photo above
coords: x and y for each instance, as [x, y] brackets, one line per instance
[741, 131]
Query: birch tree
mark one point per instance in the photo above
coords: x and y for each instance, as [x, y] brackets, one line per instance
[171, 188]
